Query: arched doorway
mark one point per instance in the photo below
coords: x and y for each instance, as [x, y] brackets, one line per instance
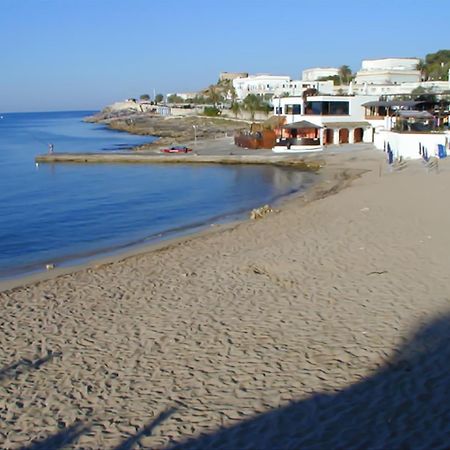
[343, 136]
[329, 136]
[358, 135]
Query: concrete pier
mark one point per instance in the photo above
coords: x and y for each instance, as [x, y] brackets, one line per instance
[136, 158]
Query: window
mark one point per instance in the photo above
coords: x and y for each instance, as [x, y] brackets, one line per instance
[314, 108]
[293, 109]
[327, 108]
[339, 108]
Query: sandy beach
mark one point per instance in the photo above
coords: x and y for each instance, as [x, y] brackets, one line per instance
[324, 325]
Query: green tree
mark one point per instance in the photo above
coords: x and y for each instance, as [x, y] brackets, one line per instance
[211, 111]
[214, 95]
[345, 74]
[335, 78]
[423, 68]
[145, 97]
[235, 107]
[251, 104]
[418, 91]
[424, 95]
[437, 65]
[174, 98]
[159, 98]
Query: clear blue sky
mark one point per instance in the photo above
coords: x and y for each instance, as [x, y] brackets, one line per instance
[84, 54]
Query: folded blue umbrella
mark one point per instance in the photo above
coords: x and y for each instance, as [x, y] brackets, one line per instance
[390, 154]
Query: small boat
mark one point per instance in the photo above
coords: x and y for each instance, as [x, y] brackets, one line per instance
[177, 149]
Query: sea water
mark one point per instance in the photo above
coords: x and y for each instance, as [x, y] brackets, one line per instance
[62, 213]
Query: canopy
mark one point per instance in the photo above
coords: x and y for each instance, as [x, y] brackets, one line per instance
[392, 103]
[300, 125]
[415, 114]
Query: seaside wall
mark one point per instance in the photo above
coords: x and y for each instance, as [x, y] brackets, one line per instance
[245, 115]
[406, 145]
[242, 115]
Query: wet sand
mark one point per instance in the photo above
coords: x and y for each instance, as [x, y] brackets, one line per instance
[300, 330]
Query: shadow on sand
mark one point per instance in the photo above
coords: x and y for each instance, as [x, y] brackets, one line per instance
[25, 365]
[60, 440]
[70, 434]
[404, 405]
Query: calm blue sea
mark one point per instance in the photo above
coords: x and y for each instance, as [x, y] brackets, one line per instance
[64, 213]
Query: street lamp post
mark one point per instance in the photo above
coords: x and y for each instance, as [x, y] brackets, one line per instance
[195, 136]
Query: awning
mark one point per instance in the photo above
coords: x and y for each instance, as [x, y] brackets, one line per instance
[392, 103]
[300, 125]
[415, 114]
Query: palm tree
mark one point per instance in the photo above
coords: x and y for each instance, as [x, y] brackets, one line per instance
[345, 74]
[235, 107]
[214, 95]
[422, 66]
[252, 103]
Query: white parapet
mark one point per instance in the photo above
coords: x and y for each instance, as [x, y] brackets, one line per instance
[411, 145]
[297, 148]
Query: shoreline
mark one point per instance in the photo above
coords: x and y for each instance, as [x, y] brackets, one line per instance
[170, 130]
[327, 184]
[263, 334]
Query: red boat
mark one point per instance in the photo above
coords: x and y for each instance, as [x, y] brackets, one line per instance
[177, 149]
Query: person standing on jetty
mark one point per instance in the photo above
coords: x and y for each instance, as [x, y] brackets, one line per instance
[50, 148]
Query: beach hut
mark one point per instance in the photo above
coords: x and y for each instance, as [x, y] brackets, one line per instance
[302, 136]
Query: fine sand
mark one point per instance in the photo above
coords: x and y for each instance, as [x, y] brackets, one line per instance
[324, 325]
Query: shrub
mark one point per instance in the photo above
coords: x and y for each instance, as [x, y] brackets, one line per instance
[211, 111]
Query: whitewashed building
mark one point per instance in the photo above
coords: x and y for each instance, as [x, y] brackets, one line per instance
[277, 85]
[341, 118]
[260, 85]
[388, 71]
[316, 73]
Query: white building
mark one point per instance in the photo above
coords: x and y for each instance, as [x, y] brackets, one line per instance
[388, 71]
[260, 85]
[393, 76]
[433, 87]
[316, 73]
[183, 95]
[276, 85]
[341, 118]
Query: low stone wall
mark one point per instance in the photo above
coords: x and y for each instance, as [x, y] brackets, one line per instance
[245, 115]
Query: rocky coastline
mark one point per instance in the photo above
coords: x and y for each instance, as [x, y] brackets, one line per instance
[170, 130]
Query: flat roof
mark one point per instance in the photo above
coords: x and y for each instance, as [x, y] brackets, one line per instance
[390, 57]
